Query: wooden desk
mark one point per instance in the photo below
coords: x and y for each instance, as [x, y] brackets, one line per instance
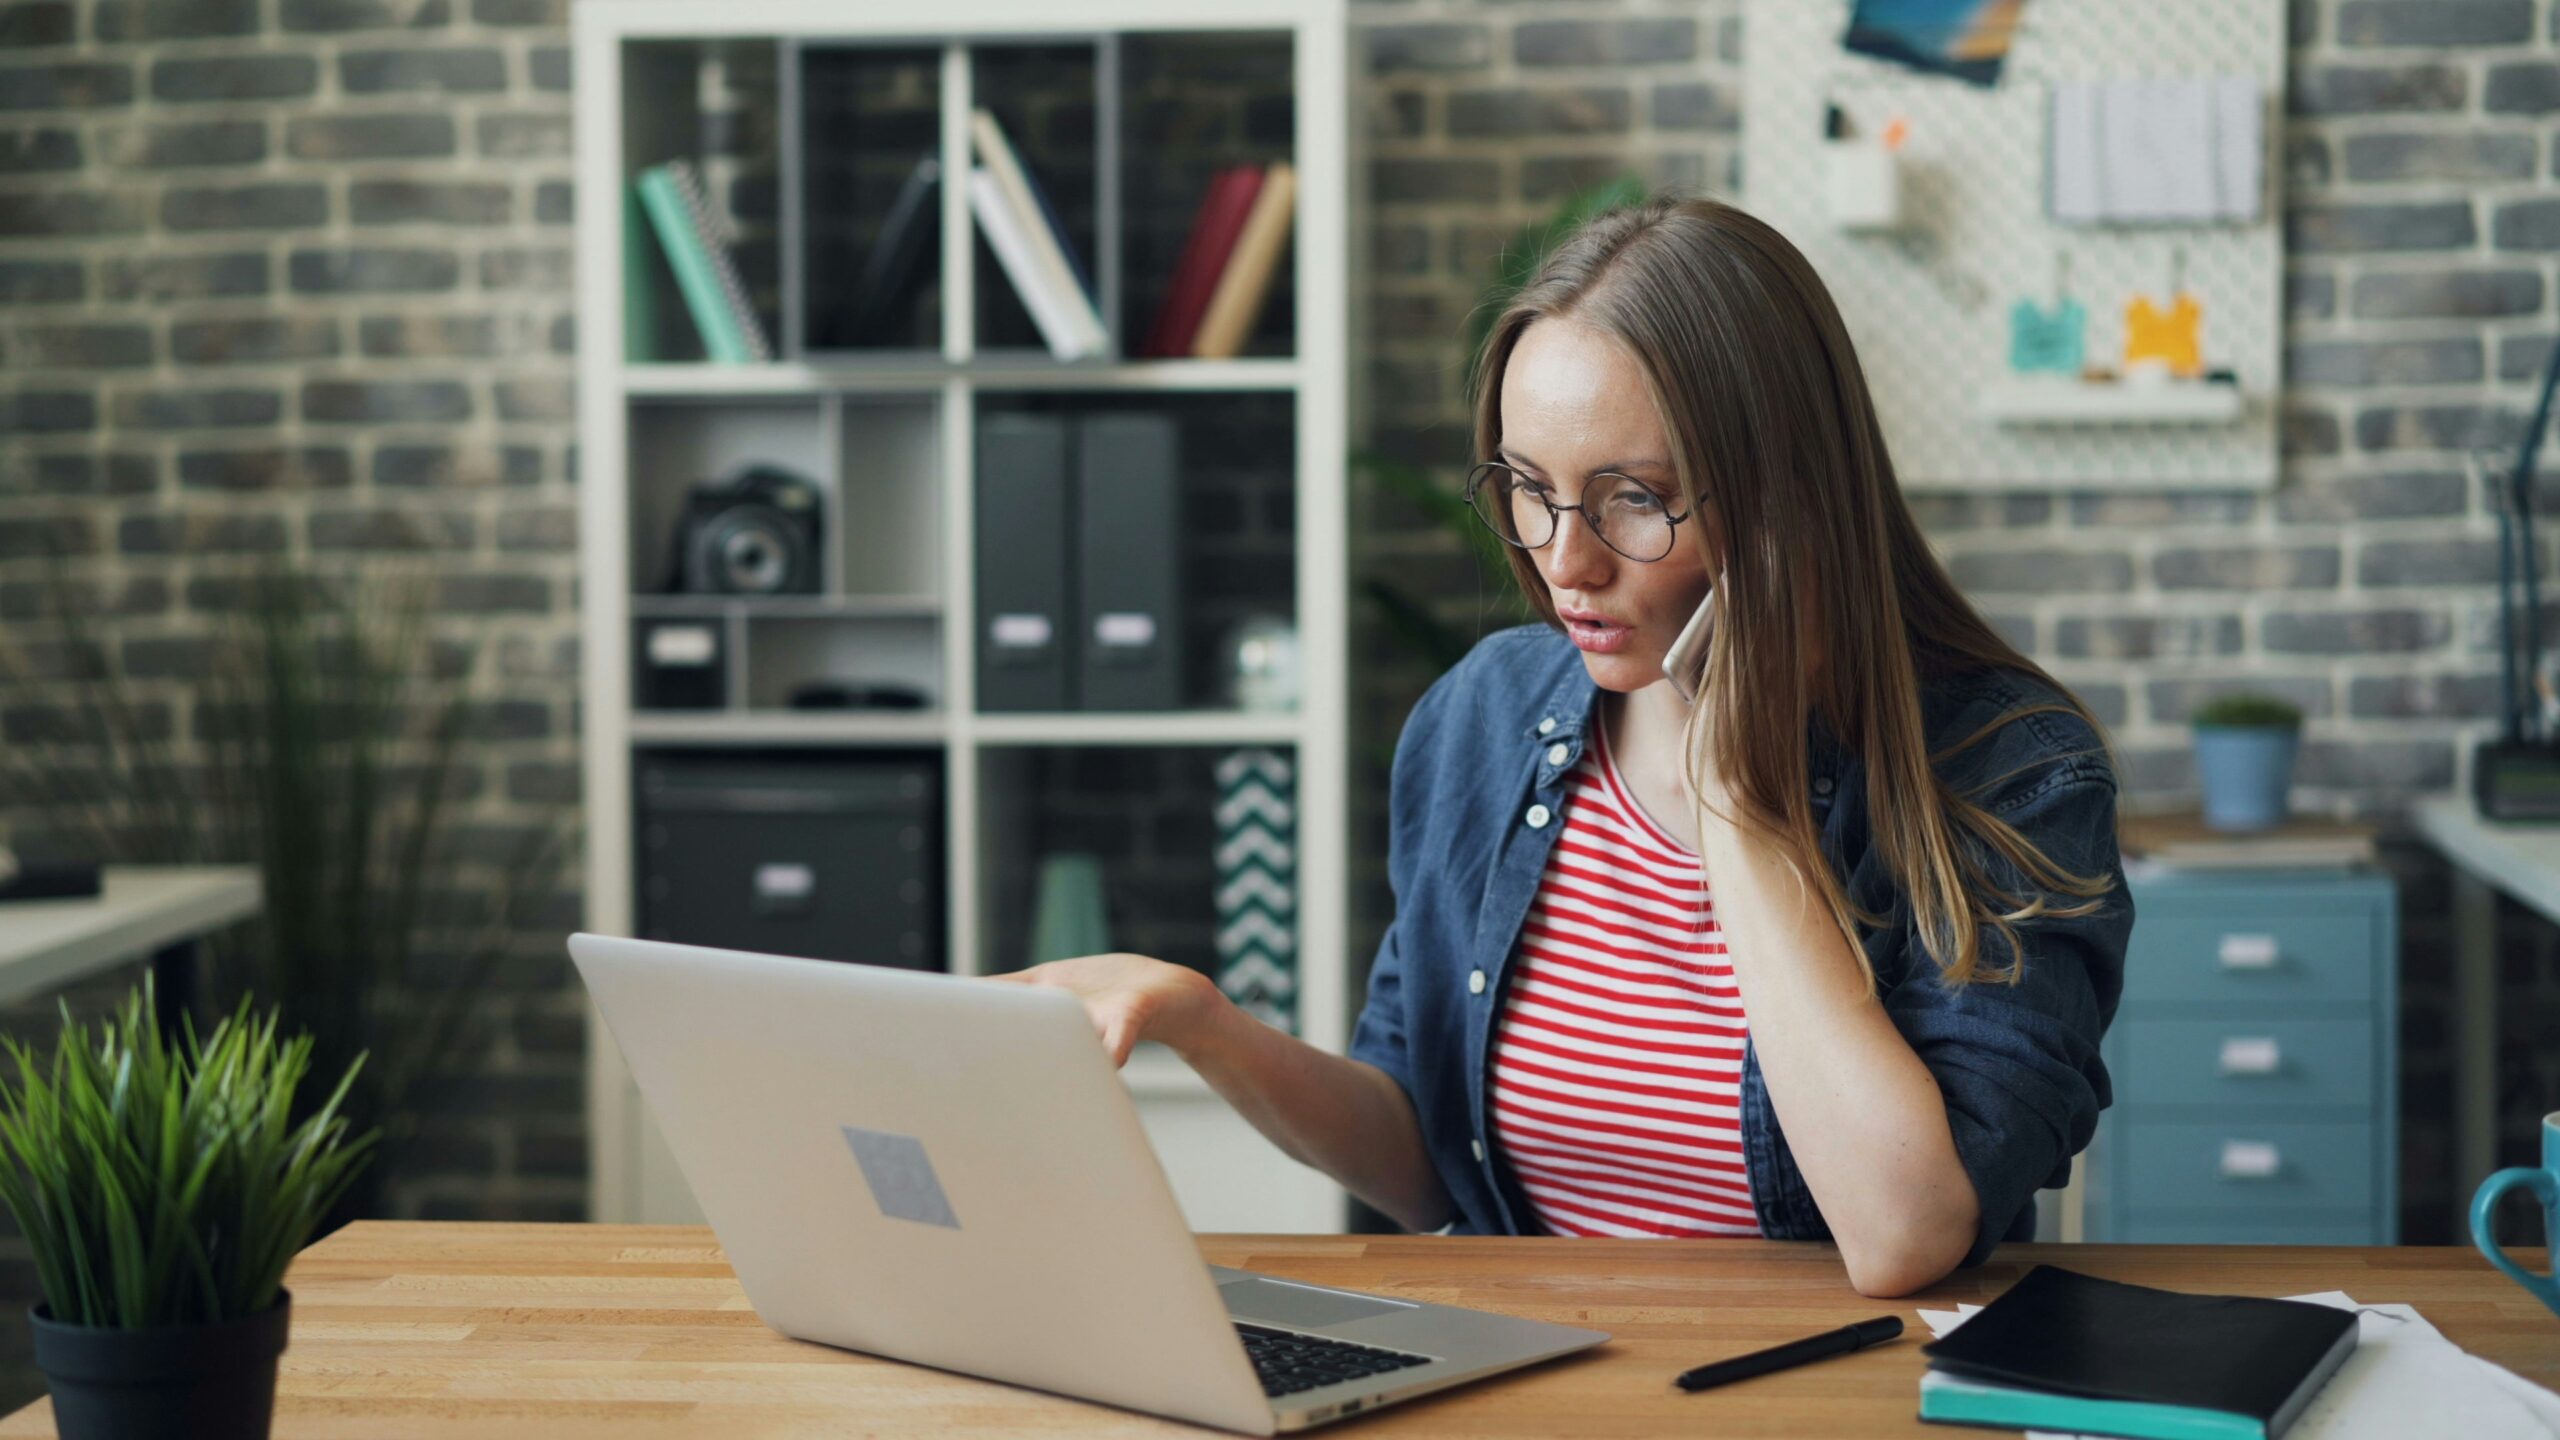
[560, 1332]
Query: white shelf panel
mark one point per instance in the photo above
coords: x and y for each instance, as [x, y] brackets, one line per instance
[1154, 1070]
[923, 372]
[794, 607]
[812, 727]
[833, 20]
[1183, 727]
[2076, 402]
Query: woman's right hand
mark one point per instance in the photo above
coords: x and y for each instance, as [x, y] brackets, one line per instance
[1130, 998]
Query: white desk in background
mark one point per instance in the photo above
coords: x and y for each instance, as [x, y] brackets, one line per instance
[154, 910]
[2521, 858]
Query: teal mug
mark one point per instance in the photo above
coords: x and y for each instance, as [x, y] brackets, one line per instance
[2545, 1184]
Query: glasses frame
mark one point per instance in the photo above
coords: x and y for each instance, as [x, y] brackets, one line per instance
[1486, 470]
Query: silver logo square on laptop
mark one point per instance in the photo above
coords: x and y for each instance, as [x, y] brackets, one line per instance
[901, 1178]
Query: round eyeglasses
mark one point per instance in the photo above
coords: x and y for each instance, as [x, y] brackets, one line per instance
[1627, 516]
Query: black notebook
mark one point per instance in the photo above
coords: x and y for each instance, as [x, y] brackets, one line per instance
[2066, 1351]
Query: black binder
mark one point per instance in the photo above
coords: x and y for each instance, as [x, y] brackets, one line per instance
[1128, 501]
[1025, 641]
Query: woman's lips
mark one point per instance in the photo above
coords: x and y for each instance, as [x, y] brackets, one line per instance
[1598, 637]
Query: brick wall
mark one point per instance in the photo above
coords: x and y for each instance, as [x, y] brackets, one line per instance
[293, 275]
[290, 277]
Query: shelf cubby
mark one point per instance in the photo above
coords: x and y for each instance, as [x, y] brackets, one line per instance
[786, 653]
[888, 510]
[677, 444]
[1235, 535]
[715, 104]
[1042, 94]
[1146, 814]
[869, 117]
[1191, 105]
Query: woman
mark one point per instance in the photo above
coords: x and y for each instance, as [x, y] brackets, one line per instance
[1825, 955]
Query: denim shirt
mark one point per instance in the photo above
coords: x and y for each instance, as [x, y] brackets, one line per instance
[1480, 782]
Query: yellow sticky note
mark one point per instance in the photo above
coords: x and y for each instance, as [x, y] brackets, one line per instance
[2174, 337]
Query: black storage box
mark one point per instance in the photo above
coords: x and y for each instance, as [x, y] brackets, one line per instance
[832, 855]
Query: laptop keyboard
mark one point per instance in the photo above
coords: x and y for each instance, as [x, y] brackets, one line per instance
[1289, 1362]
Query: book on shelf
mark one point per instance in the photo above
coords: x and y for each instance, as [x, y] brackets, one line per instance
[1077, 269]
[640, 256]
[1246, 281]
[1004, 232]
[2182, 841]
[897, 258]
[1215, 227]
[697, 250]
[1039, 268]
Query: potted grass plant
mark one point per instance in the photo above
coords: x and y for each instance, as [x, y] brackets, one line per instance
[163, 1185]
[2245, 744]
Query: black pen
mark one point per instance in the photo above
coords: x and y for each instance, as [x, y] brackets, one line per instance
[1794, 1352]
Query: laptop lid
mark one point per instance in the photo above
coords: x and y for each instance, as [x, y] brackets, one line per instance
[937, 1170]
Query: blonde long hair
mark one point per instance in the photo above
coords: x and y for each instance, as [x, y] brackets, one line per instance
[1759, 388]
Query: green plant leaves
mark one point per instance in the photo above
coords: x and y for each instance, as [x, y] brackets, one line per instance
[167, 1184]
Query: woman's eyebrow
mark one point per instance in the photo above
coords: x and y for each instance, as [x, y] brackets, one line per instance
[1521, 462]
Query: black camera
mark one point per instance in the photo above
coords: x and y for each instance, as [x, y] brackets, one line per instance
[754, 531]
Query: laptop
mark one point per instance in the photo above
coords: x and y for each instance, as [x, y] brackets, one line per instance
[949, 1172]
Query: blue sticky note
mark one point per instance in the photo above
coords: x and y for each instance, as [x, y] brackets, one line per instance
[2045, 340]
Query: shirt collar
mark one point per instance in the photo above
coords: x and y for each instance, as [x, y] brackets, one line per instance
[1564, 713]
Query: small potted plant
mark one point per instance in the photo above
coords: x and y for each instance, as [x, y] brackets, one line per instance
[2245, 745]
[163, 1185]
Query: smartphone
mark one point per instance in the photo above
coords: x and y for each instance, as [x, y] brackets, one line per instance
[1686, 661]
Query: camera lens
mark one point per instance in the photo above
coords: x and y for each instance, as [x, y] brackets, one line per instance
[752, 563]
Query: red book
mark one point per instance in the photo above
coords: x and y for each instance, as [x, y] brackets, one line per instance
[1214, 230]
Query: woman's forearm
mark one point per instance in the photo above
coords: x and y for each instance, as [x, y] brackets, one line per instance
[1862, 1114]
[1345, 1117]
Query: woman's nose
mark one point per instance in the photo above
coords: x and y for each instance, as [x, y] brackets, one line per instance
[1576, 559]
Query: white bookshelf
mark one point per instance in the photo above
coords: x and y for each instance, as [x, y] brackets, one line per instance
[922, 405]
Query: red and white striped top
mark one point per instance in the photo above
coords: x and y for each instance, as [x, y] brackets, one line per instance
[1617, 1061]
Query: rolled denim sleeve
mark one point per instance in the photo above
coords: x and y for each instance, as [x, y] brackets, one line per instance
[1381, 1037]
[2019, 1064]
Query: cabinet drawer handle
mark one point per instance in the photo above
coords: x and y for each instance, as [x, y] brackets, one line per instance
[2249, 1160]
[2250, 1055]
[2248, 952]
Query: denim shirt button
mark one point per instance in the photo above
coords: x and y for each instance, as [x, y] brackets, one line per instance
[1538, 817]
[1475, 982]
[1477, 1146]
[1822, 786]
[1556, 754]
[1547, 726]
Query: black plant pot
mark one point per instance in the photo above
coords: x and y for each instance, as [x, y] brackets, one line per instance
[176, 1382]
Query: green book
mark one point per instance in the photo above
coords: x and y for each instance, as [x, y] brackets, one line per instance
[705, 275]
[639, 285]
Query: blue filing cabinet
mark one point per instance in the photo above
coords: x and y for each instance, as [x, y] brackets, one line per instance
[2255, 1061]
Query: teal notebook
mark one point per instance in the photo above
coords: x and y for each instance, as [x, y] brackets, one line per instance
[2060, 1350]
[1946, 1399]
[714, 294]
